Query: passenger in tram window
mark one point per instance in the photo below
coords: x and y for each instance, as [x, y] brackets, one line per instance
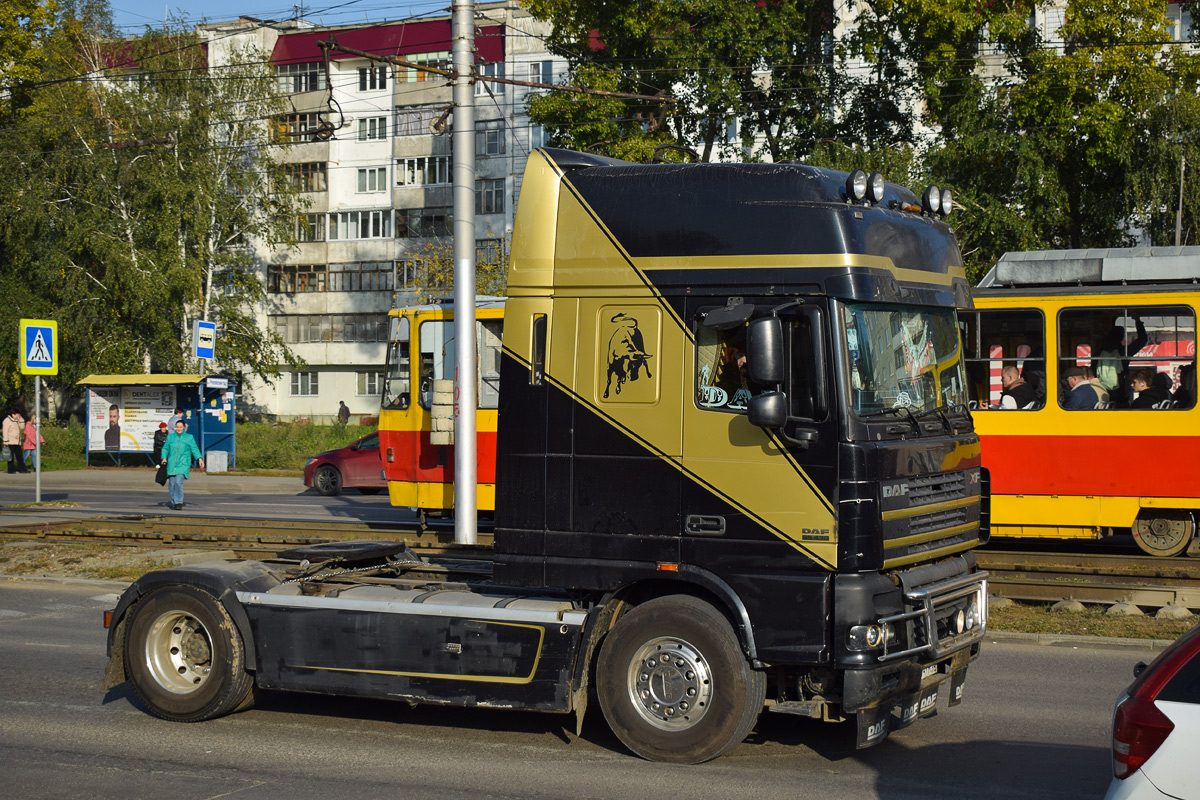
[1149, 393]
[1185, 395]
[1082, 395]
[1034, 373]
[1101, 391]
[1017, 393]
[1110, 363]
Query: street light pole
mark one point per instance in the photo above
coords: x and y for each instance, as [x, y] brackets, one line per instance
[1179, 210]
[463, 147]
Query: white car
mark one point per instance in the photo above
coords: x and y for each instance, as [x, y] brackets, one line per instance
[1156, 727]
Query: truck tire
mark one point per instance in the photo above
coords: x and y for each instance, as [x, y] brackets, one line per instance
[674, 684]
[185, 658]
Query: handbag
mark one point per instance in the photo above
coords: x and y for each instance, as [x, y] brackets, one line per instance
[160, 477]
[5, 454]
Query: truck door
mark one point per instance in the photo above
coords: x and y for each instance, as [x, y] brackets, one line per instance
[745, 483]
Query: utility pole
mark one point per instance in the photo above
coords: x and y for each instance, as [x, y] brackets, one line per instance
[462, 32]
[1179, 210]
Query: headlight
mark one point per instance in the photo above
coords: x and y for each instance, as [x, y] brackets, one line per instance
[867, 637]
[875, 187]
[311, 460]
[931, 201]
[856, 186]
[947, 202]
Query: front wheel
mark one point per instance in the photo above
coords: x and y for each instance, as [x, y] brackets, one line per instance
[327, 480]
[185, 658]
[674, 684]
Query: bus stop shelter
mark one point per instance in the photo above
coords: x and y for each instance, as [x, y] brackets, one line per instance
[124, 411]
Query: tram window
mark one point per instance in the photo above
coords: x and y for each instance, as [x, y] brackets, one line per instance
[994, 340]
[1117, 342]
[437, 359]
[488, 333]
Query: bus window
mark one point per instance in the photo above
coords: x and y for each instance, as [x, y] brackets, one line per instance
[1112, 344]
[995, 340]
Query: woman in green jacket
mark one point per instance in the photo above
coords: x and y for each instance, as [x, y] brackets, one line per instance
[177, 454]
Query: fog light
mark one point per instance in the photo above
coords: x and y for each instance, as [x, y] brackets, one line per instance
[960, 621]
[865, 637]
[856, 186]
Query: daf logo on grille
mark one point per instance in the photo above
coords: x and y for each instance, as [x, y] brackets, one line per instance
[899, 490]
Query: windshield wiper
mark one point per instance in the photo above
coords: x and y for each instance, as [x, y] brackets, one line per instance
[899, 411]
[943, 414]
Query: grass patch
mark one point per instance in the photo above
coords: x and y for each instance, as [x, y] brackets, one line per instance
[1040, 618]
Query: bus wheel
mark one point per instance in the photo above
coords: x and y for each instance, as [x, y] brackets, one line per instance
[674, 684]
[1166, 533]
[185, 658]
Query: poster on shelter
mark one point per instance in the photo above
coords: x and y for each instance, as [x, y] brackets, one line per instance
[124, 418]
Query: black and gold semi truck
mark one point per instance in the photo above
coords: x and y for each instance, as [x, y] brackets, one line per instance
[734, 472]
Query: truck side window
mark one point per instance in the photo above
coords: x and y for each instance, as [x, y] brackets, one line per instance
[537, 371]
[722, 380]
[1133, 356]
[995, 341]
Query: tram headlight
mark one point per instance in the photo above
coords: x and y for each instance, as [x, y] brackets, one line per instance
[856, 186]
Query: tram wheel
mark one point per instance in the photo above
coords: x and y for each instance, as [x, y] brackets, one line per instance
[1166, 533]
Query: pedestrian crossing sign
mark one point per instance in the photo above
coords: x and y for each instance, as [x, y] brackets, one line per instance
[39, 347]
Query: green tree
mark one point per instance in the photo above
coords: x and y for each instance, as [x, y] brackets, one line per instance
[434, 278]
[138, 179]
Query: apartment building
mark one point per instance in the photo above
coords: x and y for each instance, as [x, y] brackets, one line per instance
[371, 155]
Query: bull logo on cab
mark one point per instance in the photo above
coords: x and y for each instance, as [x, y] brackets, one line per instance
[627, 355]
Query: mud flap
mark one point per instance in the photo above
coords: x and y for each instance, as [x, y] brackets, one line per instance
[913, 706]
[872, 725]
[957, 679]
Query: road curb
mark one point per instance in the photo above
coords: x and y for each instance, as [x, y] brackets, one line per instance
[1076, 640]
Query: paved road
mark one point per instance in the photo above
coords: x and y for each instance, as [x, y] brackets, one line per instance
[1035, 724]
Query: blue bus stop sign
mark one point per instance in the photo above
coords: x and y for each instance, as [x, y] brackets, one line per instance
[39, 347]
[204, 339]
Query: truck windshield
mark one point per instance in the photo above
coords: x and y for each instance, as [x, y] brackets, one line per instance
[903, 357]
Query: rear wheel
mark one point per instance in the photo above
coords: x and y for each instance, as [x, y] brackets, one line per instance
[673, 683]
[1166, 533]
[327, 480]
[185, 658]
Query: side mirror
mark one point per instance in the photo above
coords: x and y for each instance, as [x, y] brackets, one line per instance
[764, 351]
[767, 410]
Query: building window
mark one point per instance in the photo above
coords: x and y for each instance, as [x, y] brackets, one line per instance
[361, 276]
[293, 78]
[293, 127]
[372, 179]
[489, 196]
[372, 78]
[541, 72]
[489, 137]
[310, 228]
[416, 223]
[537, 136]
[417, 120]
[424, 171]
[307, 177]
[346, 225]
[489, 251]
[306, 328]
[406, 272]
[492, 71]
[304, 384]
[369, 383]
[372, 129]
[437, 60]
[289, 278]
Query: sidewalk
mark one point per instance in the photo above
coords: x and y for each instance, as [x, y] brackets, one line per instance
[138, 479]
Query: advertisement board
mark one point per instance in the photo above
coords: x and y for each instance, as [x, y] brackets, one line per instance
[124, 418]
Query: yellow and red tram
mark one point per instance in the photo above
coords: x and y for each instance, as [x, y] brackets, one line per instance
[1062, 471]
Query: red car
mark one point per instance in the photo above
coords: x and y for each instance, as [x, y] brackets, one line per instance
[355, 466]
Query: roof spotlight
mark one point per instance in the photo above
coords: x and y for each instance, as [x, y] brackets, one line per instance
[875, 187]
[856, 186]
[931, 201]
[947, 202]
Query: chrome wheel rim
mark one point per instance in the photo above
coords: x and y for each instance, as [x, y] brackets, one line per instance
[670, 683]
[179, 652]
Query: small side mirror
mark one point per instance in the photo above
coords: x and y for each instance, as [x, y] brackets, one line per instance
[1139, 668]
[764, 351]
[768, 410]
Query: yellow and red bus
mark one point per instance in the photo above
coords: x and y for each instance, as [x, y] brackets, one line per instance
[416, 421]
[1060, 471]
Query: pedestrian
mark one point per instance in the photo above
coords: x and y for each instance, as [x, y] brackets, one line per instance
[178, 415]
[31, 435]
[177, 453]
[343, 414]
[160, 438]
[13, 435]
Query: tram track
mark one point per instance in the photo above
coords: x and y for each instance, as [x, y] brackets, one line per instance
[1091, 578]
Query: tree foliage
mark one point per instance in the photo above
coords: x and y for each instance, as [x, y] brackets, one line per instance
[434, 278]
[135, 181]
